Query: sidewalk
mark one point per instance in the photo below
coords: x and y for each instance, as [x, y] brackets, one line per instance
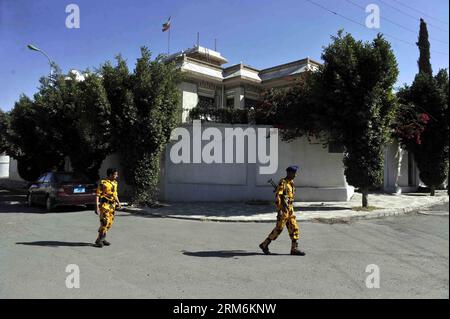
[327, 212]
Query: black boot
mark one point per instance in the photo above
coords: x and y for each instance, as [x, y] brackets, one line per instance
[265, 246]
[295, 250]
[99, 241]
[105, 242]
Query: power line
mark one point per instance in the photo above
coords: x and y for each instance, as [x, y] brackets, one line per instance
[411, 16]
[395, 23]
[364, 26]
[421, 12]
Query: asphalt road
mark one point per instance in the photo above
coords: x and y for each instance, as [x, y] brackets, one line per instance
[169, 258]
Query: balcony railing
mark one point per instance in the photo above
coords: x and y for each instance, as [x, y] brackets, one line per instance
[220, 115]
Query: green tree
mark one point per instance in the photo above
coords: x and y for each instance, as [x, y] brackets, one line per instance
[92, 126]
[354, 91]
[148, 100]
[117, 82]
[68, 118]
[409, 125]
[349, 100]
[423, 118]
[28, 139]
[430, 95]
[293, 111]
[118, 87]
[55, 103]
[424, 48]
[3, 131]
[78, 119]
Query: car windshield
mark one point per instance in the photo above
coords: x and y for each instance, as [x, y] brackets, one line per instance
[71, 178]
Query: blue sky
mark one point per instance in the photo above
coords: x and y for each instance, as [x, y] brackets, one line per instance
[260, 33]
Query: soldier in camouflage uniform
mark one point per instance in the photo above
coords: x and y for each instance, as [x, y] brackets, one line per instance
[106, 202]
[285, 193]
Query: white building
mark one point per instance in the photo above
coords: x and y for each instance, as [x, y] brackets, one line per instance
[207, 83]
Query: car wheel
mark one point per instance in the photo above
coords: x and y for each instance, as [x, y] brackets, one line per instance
[49, 204]
[30, 200]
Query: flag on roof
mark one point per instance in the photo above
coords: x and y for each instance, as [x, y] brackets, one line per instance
[166, 26]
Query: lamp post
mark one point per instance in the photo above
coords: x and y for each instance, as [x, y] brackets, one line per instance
[34, 48]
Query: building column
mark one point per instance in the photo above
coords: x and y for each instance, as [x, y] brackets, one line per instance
[189, 98]
[4, 166]
[239, 98]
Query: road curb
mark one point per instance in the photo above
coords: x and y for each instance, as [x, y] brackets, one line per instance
[323, 219]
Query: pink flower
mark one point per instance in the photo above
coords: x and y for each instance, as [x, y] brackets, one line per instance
[424, 118]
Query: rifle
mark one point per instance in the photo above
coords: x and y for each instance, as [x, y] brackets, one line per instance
[275, 186]
[285, 201]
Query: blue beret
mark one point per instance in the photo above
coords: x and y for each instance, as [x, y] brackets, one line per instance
[292, 168]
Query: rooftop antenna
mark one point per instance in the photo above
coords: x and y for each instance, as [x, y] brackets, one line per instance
[215, 44]
[198, 39]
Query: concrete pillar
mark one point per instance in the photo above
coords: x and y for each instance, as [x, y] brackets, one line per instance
[4, 166]
[189, 98]
[239, 98]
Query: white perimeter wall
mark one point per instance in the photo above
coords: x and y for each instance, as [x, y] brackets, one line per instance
[321, 175]
[391, 158]
[113, 161]
[4, 166]
[13, 173]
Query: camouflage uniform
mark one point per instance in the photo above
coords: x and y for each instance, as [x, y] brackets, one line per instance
[286, 216]
[285, 194]
[107, 193]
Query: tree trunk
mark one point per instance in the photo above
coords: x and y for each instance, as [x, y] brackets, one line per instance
[432, 190]
[365, 197]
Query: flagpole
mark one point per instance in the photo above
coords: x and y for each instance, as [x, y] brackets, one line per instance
[166, 27]
[168, 43]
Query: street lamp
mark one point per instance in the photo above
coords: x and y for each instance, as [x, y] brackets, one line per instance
[34, 48]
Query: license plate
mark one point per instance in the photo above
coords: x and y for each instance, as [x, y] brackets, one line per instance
[79, 190]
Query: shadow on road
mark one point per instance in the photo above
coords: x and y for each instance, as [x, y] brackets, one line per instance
[55, 244]
[319, 208]
[223, 253]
